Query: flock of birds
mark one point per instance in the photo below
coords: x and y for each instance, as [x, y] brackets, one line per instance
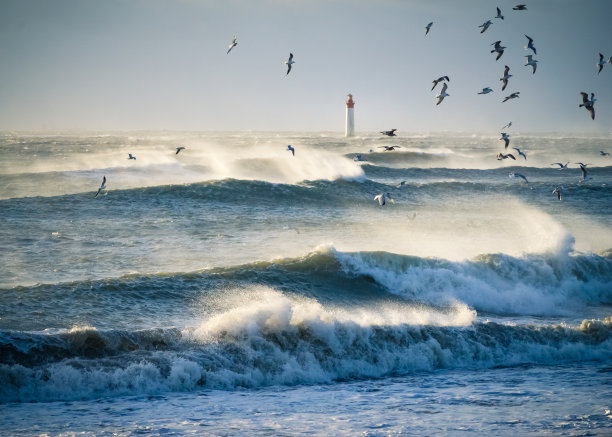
[588, 103]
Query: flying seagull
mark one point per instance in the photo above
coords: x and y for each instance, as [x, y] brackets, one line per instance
[511, 96]
[291, 149]
[506, 138]
[178, 149]
[588, 103]
[558, 191]
[561, 166]
[508, 125]
[520, 153]
[518, 175]
[102, 187]
[485, 25]
[532, 62]
[520, 8]
[530, 45]
[289, 62]
[585, 177]
[506, 77]
[428, 27]
[602, 153]
[382, 198]
[601, 63]
[401, 184]
[501, 156]
[232, 45]
[498, 48]
[389, 133]
[132, 157]
[438, 80]
[442, 94]
[389, 148]
[499, 14]
[486, 90]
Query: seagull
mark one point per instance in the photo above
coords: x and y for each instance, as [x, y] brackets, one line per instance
[389, 148]
[485, 25]
[232, 45]
[520, 153]
[438, 80]
[584, 171]
[358, 158]
[512, 96]
[291, 149]
[382, 198]
[178, 149]
[506, 138]
[506, 77]
[498, 48]
[508, 125]
[389, 133]
[520, 8]
[442, 94]
[518, 175]
[289, 62]
[532, 62]
[530, 45]
[561, 166]
[601, 63]
[102, 187]
[501, 156]
[602, 153]
[499, 14]
[401, 184]
[132, 157]
[588, 104]
[558, 191]
[428, 27]
[486, 90]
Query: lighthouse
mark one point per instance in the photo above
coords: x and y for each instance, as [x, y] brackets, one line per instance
[350, 117]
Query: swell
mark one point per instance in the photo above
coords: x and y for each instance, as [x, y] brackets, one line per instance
[273, 349]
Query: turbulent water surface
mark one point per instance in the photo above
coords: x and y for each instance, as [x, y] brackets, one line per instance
[234, 286]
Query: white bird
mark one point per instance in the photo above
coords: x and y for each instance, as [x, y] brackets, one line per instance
[588, 103]
[102, 187]
[512, 96]
[291, 149]
[232, 45]
[289, 62]
[520, 153]
[428, 27]
[438, 80]
[583, 167]
[486, 90]
[506, 138]
[382, 198]
[561, 166]
[131, 156]
[442, 94]
[485, 25]
[501, 156]
[178, 149]
[508, 125]
[532, 62]
[530, 45]
[499, 14]
[498, 48]
[602, 153]
[506, 77]
[518, 175]
[601, 63]
[558, 191]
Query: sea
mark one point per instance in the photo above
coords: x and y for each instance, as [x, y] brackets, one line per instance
[236, 288]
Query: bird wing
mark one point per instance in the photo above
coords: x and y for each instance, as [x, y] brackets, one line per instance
[444, 87]
[290, 56]
[510, 155]
[288, 67]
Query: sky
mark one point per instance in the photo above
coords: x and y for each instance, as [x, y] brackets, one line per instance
[162, 65]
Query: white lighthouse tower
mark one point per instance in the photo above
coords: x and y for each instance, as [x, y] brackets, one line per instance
[350, 117]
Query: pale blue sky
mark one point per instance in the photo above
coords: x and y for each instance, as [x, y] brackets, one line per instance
[160, 64]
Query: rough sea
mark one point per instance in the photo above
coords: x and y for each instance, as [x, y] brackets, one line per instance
[236, 289]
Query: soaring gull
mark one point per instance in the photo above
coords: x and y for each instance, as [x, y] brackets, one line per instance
[442, 94]
[601, 63]
[558, 191]
[602, 153]
[486, 90]
[520, 153]
[382, 198]
[508, 125]
[506, 77]
[511, 96]
[588, 103]
[498, 48]
[499, 14]
[485, 25]
[532, 62]
[520, 8]
[291, 149]
[530, 45]
[232, 45]
[289, 62]
[501, 156]
[132, 157]
[518, 175]
[506, 138]
[561, 166]
[389, 148]
[428, 27]
[389, 133]
[178, 149]
[102, 187]
[583, 167]
[438, 80]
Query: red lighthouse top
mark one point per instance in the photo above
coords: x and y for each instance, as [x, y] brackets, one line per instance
[349, 101]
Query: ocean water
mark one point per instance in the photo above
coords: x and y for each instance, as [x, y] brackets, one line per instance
[236, 289]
